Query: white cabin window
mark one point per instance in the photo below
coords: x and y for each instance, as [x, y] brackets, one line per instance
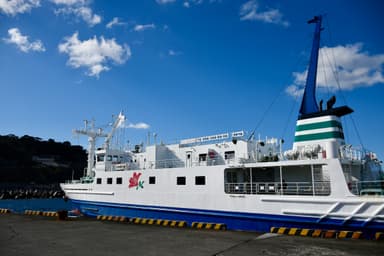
[181, 180]
[229, 155]
[152, 180]
[100, 158]
[200, 180]
[202, 157]
[109, 180]
[98, 181]
[119, 180]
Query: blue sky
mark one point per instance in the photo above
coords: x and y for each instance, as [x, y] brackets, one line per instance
[186, 68]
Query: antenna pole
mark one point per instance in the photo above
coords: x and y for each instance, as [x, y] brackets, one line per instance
[92, 135]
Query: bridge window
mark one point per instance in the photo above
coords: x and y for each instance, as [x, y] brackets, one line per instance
[202, 157]
[100, 158]
[229, 155]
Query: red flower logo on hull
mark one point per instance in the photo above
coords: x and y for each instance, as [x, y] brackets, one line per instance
[134, 181]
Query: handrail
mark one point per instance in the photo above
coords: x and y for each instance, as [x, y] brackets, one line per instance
[351, 153]
[365, 188]
[321, 188]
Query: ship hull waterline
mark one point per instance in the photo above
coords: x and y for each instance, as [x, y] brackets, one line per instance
[240, 221]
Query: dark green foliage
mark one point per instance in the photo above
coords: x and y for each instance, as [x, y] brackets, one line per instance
[29, 159]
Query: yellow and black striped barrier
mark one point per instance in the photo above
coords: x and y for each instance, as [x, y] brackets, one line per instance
[297, 231]
[203, 225]
[5, 210]
[41, 213]
[159, 222]
[330, 234]
[350, 234]
[112, 218]
[32, 212]
[379, 236]
[50, 214]
[317, 233]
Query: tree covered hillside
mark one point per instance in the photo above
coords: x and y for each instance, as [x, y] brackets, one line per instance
[29, 159]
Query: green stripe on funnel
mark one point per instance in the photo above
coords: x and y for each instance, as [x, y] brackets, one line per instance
[320, 125]
[319, 136]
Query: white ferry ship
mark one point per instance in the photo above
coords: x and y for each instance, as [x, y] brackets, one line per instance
[244, 183]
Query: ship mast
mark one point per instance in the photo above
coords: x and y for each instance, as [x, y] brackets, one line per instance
[309, 107]
[309, 104]
[92, 136]
[116, 124]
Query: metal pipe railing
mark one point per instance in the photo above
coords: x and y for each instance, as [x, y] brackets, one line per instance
[321, 188]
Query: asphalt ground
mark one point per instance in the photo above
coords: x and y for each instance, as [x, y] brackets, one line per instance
[38, 235]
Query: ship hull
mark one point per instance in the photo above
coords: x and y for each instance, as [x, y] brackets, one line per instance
[244, 221]
[212, 203]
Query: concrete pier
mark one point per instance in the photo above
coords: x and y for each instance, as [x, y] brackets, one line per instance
[39, 235]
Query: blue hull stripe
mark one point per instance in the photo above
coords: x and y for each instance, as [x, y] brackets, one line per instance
[233, 220]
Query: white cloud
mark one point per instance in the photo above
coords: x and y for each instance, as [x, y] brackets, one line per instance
[295, 91]
[115, 22]
[354, 68]
[187, 3]
[174, 53]
[94, 54]
[78, 8]
[137, 126]
[13, 7]
[87, 15]
[143, 27]
[70, 2]
[249, 11]
[22, 42]
[165, 1]
[126, 124]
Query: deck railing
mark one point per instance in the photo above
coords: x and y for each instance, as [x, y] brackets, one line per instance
[321, 188]
[177, 163]
[366, 188]
[351, 153]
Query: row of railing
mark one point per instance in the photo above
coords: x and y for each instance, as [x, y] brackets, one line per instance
[320, 188]
[351, 153]
[367, 188]
[85, 179]
[345, 153]
[176, 163]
